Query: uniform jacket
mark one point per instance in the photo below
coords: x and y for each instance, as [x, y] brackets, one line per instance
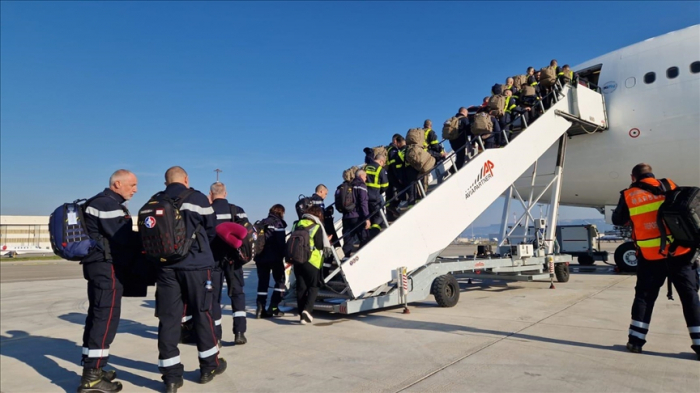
[275, 240]
[108, 221]
[225, 212]
[376, 184]
[196, 211]
[359, 189]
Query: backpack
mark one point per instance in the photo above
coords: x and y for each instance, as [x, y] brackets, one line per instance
[380, 150]
[528, 91]
[519, 80]
[299, 244]
[260, 228]
[302, 204]
[548, 75]
[450, 129]
[163, 229]
[678, 215]
[345, 198]
[482, 124]
[69, 236]
[419, 159]
[246, 252]
[497, 105]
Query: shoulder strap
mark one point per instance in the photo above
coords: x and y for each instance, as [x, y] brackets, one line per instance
[234, 210]
[648, 187]
[665, 185]
[182, 196]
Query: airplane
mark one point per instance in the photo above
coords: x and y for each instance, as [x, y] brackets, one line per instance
[13, 251]
[652, 97]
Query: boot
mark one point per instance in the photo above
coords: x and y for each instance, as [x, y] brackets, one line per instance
[634, 348]
[172, 387]
[109, 375]
[274, 312]
[240, 339]
[260, 312]
[92, 382]
[207, 377]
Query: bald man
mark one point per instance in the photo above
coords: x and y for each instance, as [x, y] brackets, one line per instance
[188, 281]
[108, 222]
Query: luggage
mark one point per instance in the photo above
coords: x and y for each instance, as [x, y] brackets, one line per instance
[163, 229]
[69, 236]
[380, 150]
[260, 228]
[246, 252]
[548, 76]
[302, 204]
[497, 105]
[482, 124]
[415, 136]
[680, 211]
[528, 91]
[299, 244]
[419, 159]
[349, 174]
[450, 130]
[345, 198]
[519, 80]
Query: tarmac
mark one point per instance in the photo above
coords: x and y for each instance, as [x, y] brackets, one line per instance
[500, 337]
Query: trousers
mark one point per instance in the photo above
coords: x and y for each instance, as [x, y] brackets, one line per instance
[263, 270]
[235, 284]
[650, 278]
[308, 282]
[104, 292]
[174, 289]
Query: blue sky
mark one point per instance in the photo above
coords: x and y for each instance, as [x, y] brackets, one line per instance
[281, 96]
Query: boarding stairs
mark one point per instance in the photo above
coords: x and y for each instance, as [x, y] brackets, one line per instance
[453, 202]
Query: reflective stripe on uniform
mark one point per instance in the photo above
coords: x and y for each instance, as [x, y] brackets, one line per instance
[239, 314]
[279, 289]
[693, 329]
[262, 293]
[639, 324]
[100, 214]
[209, 352]
[197, 209]
[217, 322]
[169, 362]
[186, 318]
[696, 341]
[242, 215]
[637, 334]
[96, 353]
[653, 242]
[650, 207]
[223, 216]
[360, 188]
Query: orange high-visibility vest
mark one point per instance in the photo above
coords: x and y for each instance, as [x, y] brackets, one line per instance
[644, 207]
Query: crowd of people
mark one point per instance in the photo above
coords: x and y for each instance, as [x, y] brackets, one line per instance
[189, 287]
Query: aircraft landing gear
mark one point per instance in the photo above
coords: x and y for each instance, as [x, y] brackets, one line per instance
[626, 257]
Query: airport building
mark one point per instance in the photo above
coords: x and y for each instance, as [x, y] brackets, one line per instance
[30, 232]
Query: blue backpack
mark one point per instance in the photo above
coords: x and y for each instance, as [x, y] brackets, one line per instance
[69, 236]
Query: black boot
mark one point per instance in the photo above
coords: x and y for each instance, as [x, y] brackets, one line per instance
[260, 311]
[109, 375]
[696, 348]
[275, 312]
[92, 382]
[240, 339]
[634, 348]
[208, 376]
[172, 387]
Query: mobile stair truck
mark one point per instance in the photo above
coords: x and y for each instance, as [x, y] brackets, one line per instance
[402, 263]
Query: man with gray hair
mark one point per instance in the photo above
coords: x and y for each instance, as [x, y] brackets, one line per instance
[109, 223]
[354, 231]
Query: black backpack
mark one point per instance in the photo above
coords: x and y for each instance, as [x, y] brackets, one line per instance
[246, 252]
[345, 198]
[68, 234]
[680, 212]
[299, 244]
[303, 204]
[163, 229]
[260, 228]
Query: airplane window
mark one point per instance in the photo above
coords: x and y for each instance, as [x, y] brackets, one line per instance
[650, 77]
[630, 82]
[672, 72]
[695, 67]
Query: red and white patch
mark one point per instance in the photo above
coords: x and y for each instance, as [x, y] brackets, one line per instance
[160, 212]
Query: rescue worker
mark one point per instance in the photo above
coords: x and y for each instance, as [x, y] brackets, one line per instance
[510, 104]
[510, 85]
[565, 75]
[230, 267]
[377, 183]
[271, 259]
[307, 273]
[188, 281]
[638, 206]
[354, 231]
[458, 144]
[395, 172]
[432, 144]
[109, 223]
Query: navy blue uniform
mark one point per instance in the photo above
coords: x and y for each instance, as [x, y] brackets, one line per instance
[351, 220]
[272, 259]
[232, 270]
[186, 283]
[395, 172]
[460, 141]
[107, 221]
